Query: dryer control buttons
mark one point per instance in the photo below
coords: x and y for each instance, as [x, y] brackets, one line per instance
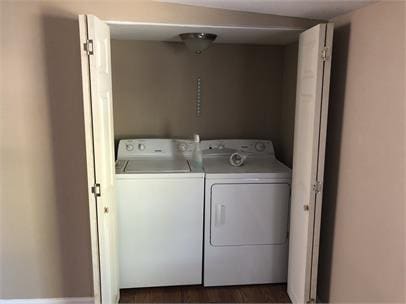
[129, 147]
[260, 147]
[182, 147]
[141, 147]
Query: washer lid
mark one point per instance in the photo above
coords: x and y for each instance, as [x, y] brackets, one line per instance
[157, 166]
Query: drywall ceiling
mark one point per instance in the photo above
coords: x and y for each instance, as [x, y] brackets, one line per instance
[313, 9]
[226, 34]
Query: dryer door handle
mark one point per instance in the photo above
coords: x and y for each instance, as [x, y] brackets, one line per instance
[220, 217]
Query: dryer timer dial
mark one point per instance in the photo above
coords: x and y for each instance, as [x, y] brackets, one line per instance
[260, 147]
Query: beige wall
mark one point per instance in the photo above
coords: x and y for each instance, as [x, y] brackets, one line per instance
[44, 238]
[362, 254]
[154, 90]
[44, 230]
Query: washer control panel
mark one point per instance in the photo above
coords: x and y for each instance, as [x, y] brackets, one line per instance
[135, 148]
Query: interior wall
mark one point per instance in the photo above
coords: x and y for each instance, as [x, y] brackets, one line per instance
[154, 90]
[44, 226]
[287, 115]
[363, 234]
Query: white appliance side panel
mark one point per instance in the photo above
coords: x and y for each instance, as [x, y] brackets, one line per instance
[160, 231]
[249, 214]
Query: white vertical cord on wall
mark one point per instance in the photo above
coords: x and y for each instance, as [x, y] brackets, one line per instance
[198, 97]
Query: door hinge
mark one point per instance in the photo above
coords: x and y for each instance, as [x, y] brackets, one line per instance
[317, 187]
[88, 47]
[96, 190]
[324, 53]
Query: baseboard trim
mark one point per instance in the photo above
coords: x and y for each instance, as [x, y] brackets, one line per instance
[88, 300]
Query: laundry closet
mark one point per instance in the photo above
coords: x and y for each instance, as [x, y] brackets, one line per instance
[257, 86]
[247, 88]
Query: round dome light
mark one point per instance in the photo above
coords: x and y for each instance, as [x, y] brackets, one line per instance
[197, 42]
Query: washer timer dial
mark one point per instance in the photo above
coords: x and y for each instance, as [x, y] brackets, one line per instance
[182, 147]
[129, 147]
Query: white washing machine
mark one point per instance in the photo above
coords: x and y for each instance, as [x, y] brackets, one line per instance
[246, 214]
[160, 213]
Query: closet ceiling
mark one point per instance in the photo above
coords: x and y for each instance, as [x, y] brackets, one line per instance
[312, 9]
[226, 34]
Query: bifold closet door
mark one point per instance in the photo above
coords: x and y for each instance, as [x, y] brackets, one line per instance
[98, 114]
[313, 81]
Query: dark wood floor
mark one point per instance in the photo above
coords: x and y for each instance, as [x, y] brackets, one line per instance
[271, 293]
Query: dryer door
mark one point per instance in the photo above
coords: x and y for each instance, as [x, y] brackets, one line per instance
[249, 214]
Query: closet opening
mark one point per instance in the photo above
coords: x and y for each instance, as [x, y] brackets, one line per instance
[232, 225]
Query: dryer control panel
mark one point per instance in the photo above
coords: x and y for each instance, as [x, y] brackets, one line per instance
[248, 146]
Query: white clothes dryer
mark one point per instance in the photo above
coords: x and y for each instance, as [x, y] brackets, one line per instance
[160, 213]
[246, 214]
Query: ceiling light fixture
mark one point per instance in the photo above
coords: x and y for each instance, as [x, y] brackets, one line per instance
[198, 42]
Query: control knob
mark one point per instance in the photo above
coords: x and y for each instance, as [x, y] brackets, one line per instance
[260, 147]
[182, 147]
[141, 147]
[129, 147]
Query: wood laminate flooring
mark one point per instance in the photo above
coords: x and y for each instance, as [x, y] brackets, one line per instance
[270, 293]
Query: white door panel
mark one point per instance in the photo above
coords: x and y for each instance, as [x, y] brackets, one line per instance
[249, 214]
[308, 161]
[97, 97]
